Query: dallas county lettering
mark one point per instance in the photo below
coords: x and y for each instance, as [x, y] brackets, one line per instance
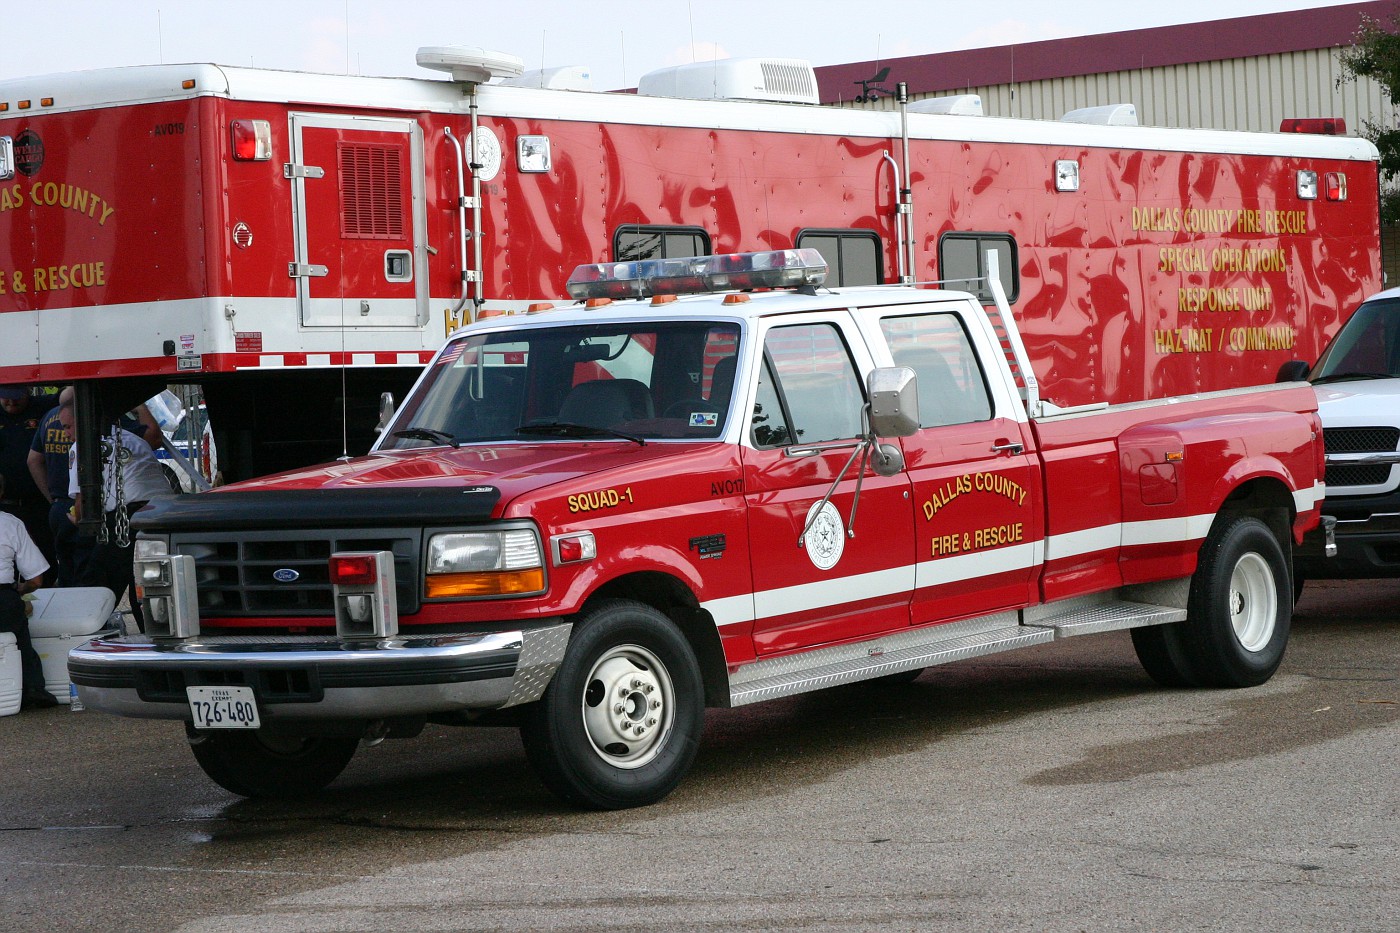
[57, 194]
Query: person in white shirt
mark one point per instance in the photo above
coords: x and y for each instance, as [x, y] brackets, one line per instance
[22, 569]
[131, 477]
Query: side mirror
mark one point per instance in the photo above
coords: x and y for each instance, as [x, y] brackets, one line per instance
[386, 411]
[894, 401]
[1293, 371]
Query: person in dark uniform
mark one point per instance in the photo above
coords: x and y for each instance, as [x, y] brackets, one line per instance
[20, 414]
[22, 569]
[48, 464]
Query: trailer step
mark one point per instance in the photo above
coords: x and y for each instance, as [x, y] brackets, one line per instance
[890, 654]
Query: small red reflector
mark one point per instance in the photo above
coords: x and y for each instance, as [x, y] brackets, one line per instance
[358, 570]
[1336, 185]
[1321, 126]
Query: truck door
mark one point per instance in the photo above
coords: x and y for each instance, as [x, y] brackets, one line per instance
[976, 488]
[360, 221]
[824, 586]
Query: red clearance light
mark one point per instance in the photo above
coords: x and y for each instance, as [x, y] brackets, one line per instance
[356, 570]
[1335, 184]
[1321, 126]
[251, 140]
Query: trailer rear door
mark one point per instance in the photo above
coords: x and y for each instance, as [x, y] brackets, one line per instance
[360, 219]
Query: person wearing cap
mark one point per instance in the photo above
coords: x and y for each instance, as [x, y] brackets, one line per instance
[20, 414]
[22, 569]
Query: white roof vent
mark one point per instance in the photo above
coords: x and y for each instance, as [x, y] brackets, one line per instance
[564, 78]
[789, 80]
[1107, 115]
[469, 63]
[965, 105]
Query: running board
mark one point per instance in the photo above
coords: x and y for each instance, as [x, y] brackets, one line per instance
[919, 648]
[889, 654]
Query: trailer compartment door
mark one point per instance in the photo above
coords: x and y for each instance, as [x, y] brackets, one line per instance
[359, 214]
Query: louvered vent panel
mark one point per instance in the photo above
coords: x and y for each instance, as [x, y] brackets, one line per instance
[788, 80]
[371, 192]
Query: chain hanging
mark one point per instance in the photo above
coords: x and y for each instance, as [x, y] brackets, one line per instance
[120, 460]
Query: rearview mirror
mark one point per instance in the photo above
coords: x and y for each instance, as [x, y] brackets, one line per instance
[894, 401]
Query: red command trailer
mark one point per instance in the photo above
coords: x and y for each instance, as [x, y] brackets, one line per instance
[300, 243]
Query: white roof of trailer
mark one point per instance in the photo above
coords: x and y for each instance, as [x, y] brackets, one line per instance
[149, 83]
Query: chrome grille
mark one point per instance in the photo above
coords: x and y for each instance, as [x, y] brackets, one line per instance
[235, 572]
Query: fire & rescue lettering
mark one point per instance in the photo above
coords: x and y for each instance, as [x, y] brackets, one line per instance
[602, 499]
[54, 278]
[978, 539]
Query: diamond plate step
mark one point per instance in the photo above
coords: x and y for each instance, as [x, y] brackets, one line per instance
[920, 648]
[1106, 617]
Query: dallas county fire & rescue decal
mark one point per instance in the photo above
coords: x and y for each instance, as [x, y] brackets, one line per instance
[825, 539]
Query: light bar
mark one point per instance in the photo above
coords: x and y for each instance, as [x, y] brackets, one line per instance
[1321, 126]
[785, 268]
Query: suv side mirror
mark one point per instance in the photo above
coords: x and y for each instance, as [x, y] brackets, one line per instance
[386, 411]
[894, 401]
[1293, 371]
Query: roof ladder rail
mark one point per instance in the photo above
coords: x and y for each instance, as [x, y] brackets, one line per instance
[1030, 388]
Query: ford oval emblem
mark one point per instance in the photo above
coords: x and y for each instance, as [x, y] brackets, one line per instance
[286, 575]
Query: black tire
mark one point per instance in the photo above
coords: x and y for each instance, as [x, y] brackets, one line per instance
[1163, 653]
[1298, 581]
[1241, 605]
[259, 763]
[898, 679]
[627, 667]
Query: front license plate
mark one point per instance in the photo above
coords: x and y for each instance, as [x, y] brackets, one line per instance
[223, 707]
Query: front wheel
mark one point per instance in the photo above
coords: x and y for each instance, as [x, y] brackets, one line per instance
[1241, 605]
[619, 724]
[259, 763]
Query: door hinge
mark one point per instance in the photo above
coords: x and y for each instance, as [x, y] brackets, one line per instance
[293, 170]
[298, 270]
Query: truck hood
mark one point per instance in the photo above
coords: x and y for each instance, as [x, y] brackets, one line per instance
[1367, 403]
[423, 486]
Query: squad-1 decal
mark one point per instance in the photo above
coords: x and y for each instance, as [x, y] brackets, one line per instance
[602, 499]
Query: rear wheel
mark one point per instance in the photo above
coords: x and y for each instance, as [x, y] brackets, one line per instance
[619, 724]
[259, 763]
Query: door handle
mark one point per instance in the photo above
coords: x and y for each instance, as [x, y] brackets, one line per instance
[1009, 447]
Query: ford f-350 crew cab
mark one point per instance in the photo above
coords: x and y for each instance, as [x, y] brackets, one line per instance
[597, 520]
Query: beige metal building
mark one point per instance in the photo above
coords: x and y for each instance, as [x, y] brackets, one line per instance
[1246, 73]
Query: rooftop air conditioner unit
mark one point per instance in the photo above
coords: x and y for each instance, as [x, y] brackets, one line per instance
[1107, 115]
[966, 105]
[786, 80]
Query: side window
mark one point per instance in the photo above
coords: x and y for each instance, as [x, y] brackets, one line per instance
[952, 389]
[808, 372]
[852, 256]
[635, 241]
[962, 263]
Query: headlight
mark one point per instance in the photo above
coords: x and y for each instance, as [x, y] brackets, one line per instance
[147, 548]
[484, 563]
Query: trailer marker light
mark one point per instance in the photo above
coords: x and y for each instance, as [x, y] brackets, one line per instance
[783, 268]
[1336, 186]
[4, 106]
[1307, 185]
[251, 140]
[187, 84]
[46, 102]
[24, 105]
[1321, 126]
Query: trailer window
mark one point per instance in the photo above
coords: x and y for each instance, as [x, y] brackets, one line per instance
[852, 256]
[808, 390]
[1367, 346]
[962, 263]
[952, 388]
[634, 241]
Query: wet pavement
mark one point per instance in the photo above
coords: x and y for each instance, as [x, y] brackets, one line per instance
[1056, 788]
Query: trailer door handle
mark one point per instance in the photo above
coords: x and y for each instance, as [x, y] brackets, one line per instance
[1011, 447]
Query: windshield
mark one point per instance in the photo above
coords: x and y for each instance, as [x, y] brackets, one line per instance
[637, 382]
[1367, 346]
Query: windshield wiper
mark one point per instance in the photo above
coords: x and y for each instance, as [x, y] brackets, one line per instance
[428, 434]
[1351, 377]
[570, 429]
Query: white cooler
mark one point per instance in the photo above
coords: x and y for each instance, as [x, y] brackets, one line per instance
[63, 619]
[11, 676]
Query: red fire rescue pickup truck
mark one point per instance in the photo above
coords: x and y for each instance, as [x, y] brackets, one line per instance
[595, 521]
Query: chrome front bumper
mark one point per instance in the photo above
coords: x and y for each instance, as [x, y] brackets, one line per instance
[322, 678]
